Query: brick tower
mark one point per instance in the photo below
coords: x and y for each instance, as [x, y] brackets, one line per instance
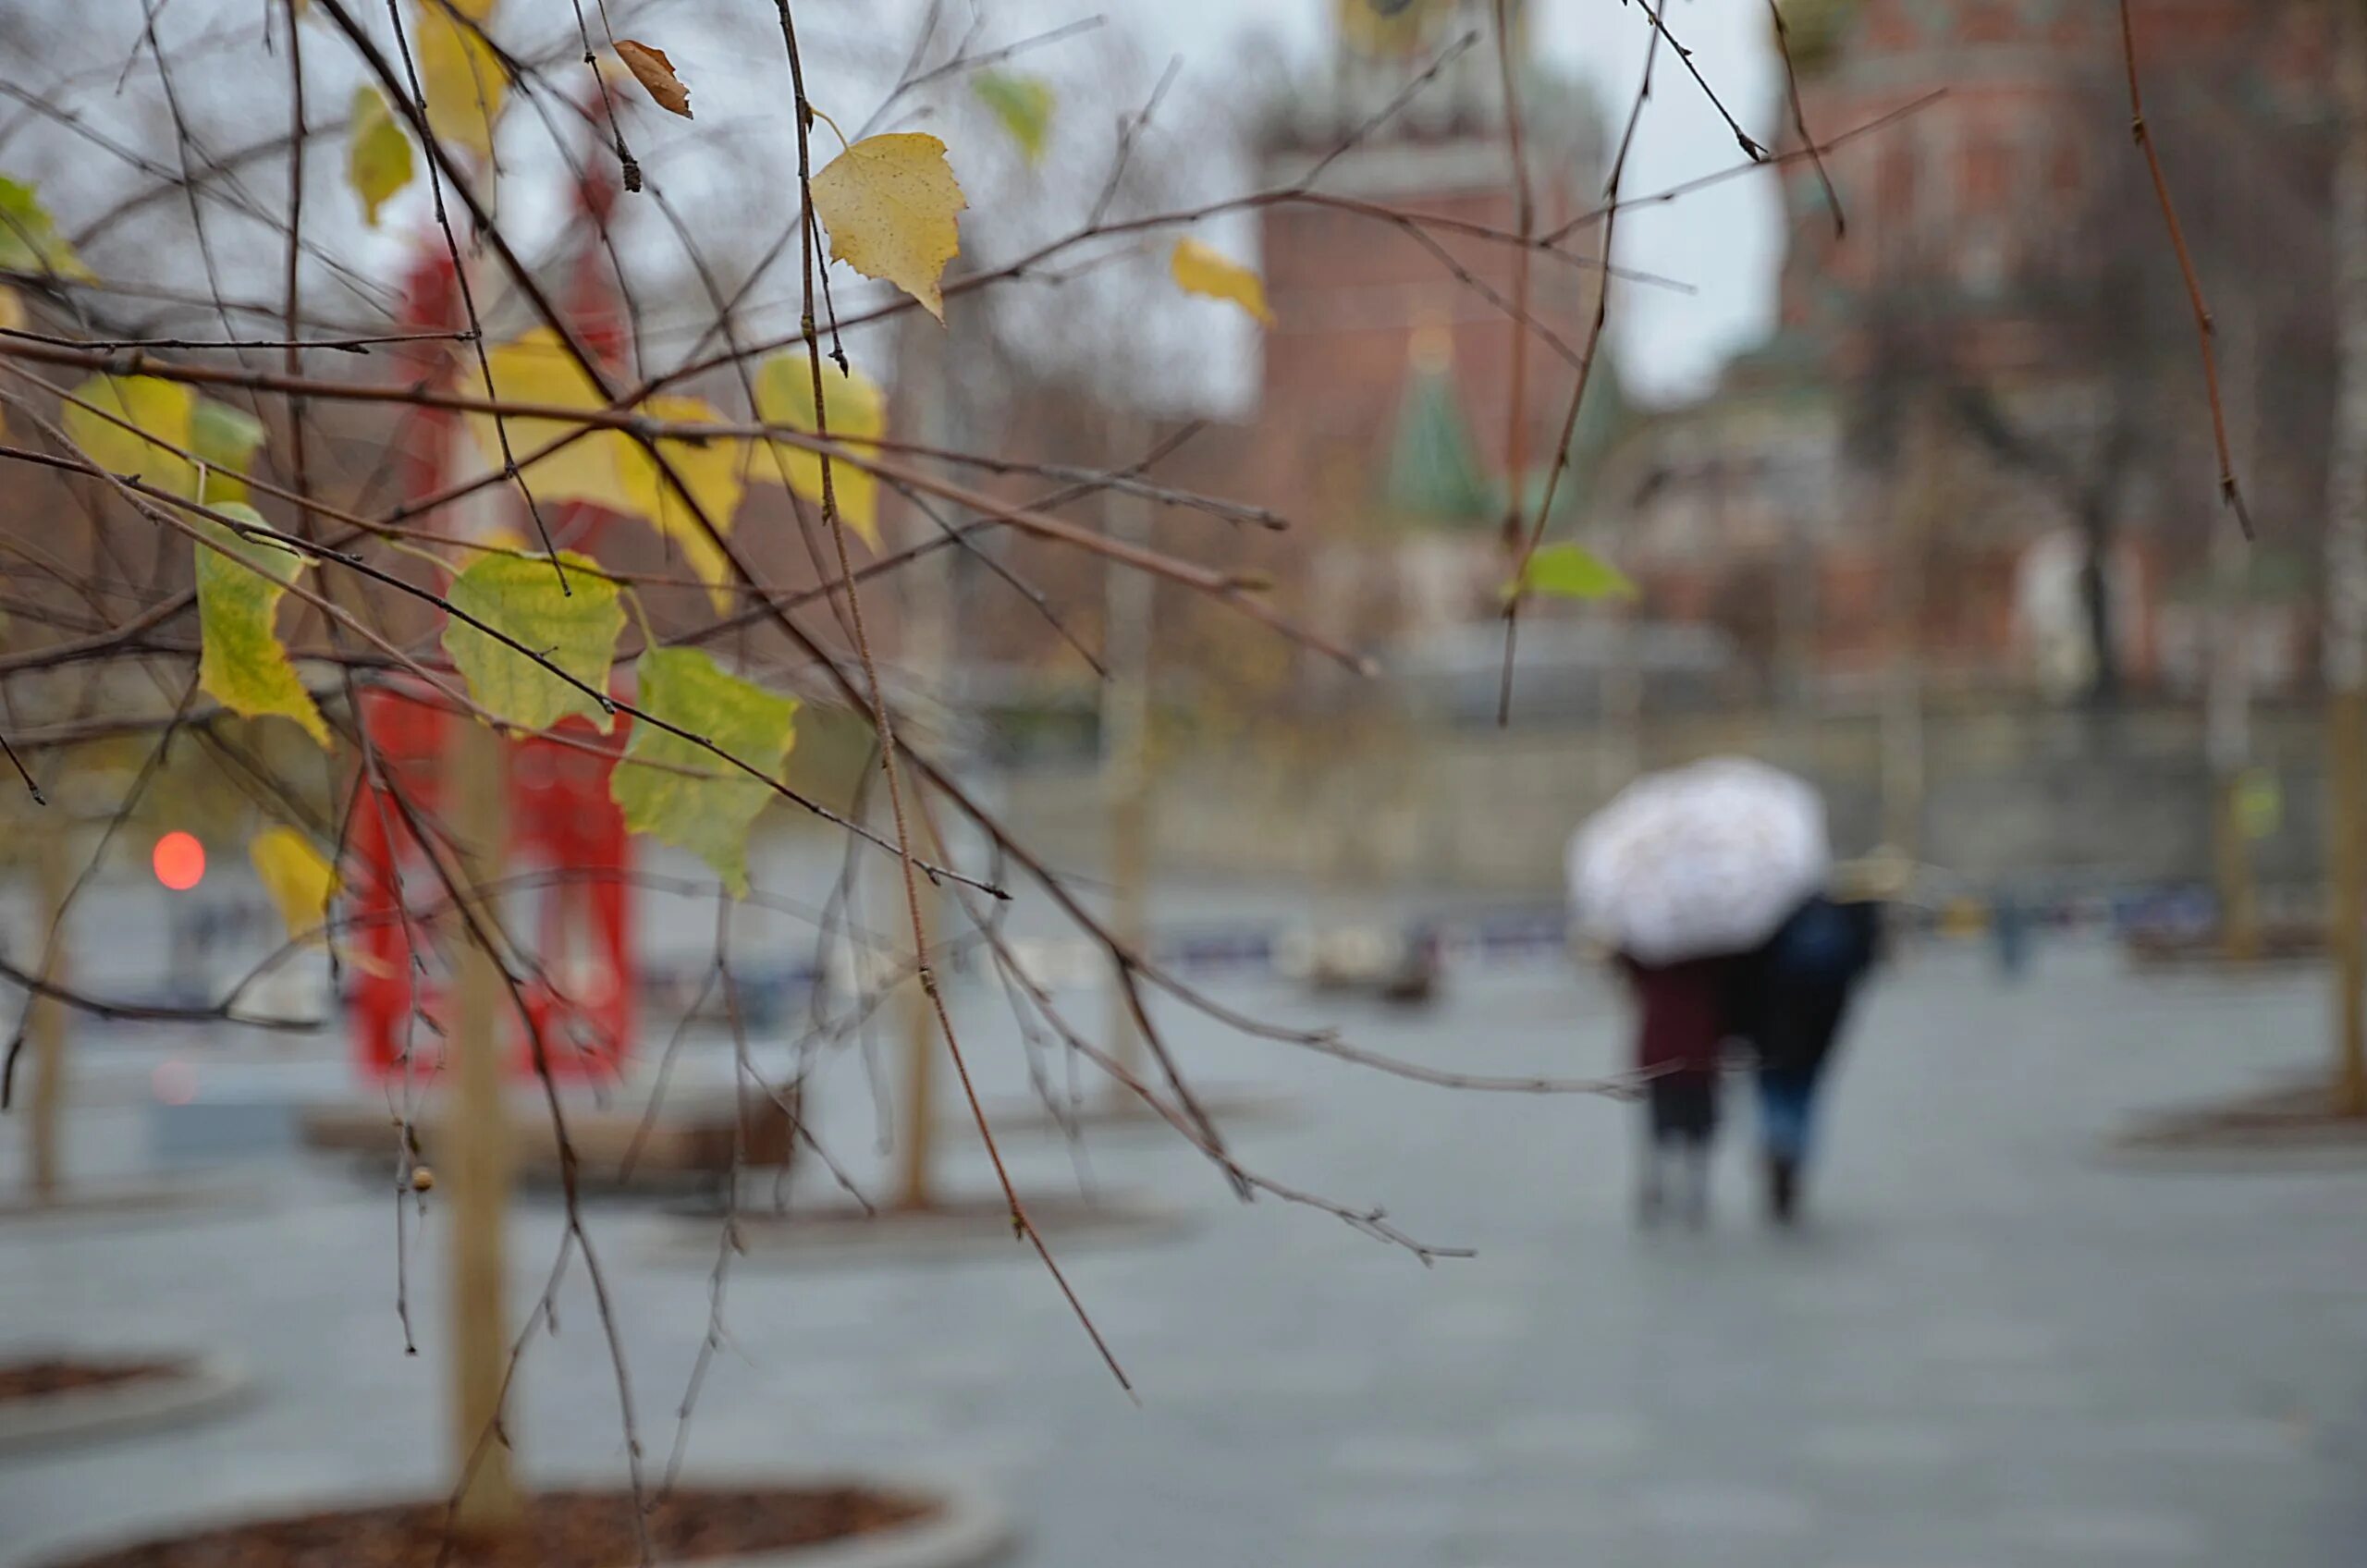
[1387, 389]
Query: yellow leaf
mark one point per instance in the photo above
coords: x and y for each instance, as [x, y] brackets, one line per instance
[709, 468]
[654, 71]
[855, 413]
[1024, 103]
[226, 440]
[889, 203]
[378, 156]
[694, 799]
[537, 368]
[1199, 270]
[608, 467]
[29, 237]
[459, 73]
[155, 408]
[575, 628]
[242, 662]
[299, 879]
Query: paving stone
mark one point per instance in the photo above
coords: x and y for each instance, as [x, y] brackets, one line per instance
[1726, 1509]
[1406, 1456]
[2104, 1531]
[1985, 1350]
[1883, 1445]
[1571, 1440]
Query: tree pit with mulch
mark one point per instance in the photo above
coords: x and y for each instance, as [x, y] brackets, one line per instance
[2281, 943]
[54, 1376]
[2303, 1121]
[561, 1529]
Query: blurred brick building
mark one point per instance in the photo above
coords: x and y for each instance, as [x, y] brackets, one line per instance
[1402, 413]
[1383, 425]
[1990, 379]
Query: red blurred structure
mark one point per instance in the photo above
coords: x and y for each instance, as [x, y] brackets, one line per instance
[567, 858]
[567, 898]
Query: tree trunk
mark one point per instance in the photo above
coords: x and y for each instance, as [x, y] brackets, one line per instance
[2228, 683]
[2345, 650]
[916, 1142]
[1619, 696]
[1795, 598]
[2095, 597]
[929, 611]
[45, 1020]
[477, 1155]
[1125, 755]
[1916, 489]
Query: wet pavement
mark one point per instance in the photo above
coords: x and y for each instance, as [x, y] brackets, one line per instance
[1991, 1348]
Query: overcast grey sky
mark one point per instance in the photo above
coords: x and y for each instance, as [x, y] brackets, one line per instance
[1724, 242]
[722, 171]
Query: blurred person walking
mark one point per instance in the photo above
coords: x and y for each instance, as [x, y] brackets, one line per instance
[1681, 874]
[1790, 1000]
[1681, 1027]
[2010, 919]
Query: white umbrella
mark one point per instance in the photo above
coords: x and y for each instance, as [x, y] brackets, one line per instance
[1698, 860]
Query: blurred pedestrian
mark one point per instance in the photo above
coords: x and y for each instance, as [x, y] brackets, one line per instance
[2009, 927]
[1683, 872]
[1680, 1030]
[1790, 1000]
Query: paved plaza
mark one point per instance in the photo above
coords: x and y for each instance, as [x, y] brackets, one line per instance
[1991, 1349]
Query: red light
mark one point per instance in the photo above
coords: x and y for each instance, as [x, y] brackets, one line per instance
[180, 861]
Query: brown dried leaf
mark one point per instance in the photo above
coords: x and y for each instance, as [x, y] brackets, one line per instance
[654, 71]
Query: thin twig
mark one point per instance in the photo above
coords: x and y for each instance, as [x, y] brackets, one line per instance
[1586, 374]
[1800, 117]
[2206, 333]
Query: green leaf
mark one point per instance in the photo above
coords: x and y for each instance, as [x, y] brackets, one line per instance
[29, 237]
[708, 808]
[227, 438]
[1570, 571]
[378, 156]
[155, 408]
[576, 630]
[243, 665]
[1024, 103]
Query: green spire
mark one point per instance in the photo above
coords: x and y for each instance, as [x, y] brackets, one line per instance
[1435, 474]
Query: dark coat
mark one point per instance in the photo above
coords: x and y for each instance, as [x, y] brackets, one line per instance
[1681, 1012]
[1790, 998]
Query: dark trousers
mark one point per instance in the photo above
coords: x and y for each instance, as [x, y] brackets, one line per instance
[1786, 1113]
[1793, 1054]
[1683, 1106]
